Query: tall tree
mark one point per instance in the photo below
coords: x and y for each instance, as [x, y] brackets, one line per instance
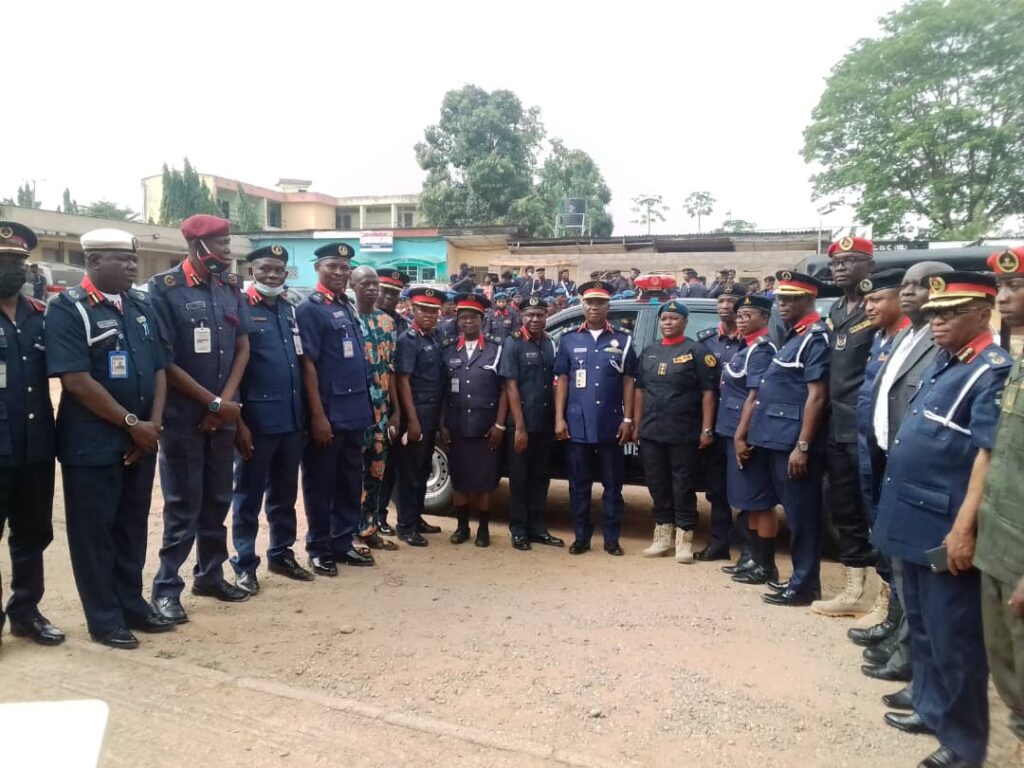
[249, 219]
[70, 205]
[479, 157]
[564, 173]
[648, 209]
[104, 209]
[698, 205]
[926, 123]
[184, 194]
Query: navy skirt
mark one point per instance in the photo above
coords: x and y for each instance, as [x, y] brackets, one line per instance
[474, 466]
[751, 488]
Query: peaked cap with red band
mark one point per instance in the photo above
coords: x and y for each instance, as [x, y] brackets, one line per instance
[203, 225]
[951, 289]
[1008, 262]
[426, 297]
[16, 238]
[788, 283]
[472, 301]
[852, 245]
[596, 289]
[393, 278]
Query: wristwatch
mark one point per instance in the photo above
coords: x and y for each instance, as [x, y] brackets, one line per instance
[214, 406]
[803, 446]
[130, 419]
[707, 433]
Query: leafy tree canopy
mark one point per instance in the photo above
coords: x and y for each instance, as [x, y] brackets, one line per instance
[104, 209]
[184, 194]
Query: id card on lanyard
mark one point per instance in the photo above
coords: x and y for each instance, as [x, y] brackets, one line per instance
[117, 362]
[202, 340]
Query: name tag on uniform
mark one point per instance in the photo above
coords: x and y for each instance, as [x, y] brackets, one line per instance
[117, 365]
[196, 305]
[107, 324]
[260, 319]
[577, 350]
[531, 355]
[581, 378]
[3, 375]
[682, 358]
[202, 341]
[455, 385]
[297, 339]
[348, 349]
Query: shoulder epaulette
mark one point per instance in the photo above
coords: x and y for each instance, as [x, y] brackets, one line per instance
[167, 279]
[139, 295]
[763, 340]
[620, 329]
[316, 297]
[75, 294]
[493, 339]
[997, 357]
[707, 333]
[517, 334]
[818, 328]
[447, 341]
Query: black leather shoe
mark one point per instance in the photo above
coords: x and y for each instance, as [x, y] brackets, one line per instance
[778, 586]
[881, 653]
[579, 547]
[745, 563]
[38, 629]
[944, 757]
[614, 549]
[287, 566]
[460, 535]
[755, 575]
[323, 566]
[221, 590]
[791, 598]
[710, 553]
[152, 623]
[483, 536]
[909, 723]
[548, 540]
[248, 582]
[521, 543]
[413, 539]
[121, 638]
[899, 700]
[170, 608]
[425, 527]
[385, 530]
[895, 674]
[873, 635]
[356, 558]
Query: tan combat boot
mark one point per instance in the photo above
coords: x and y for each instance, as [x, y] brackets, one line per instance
[855, 599]
[684, 546]
[662, 543]
[880, 611]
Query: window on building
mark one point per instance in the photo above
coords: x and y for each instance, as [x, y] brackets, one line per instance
[342, 220]
[405, 219]
[77, 258]
[273, 214]
[225, 208]
[418, 273]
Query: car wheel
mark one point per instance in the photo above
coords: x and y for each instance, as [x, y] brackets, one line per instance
[439, 485]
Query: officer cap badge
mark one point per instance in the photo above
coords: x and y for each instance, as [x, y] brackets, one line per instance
[6, 233]
[846, 244]
[937, 284]
[277, 250]
[866, 285]
[710, 360]
[344, 250]
[996, 359]
[786, 275]
[428, 292]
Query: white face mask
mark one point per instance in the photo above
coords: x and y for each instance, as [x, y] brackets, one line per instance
[267, 290]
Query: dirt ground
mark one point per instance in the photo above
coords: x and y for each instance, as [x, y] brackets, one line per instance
[491, 657]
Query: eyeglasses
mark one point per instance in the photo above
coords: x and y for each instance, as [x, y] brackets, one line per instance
[845, 261]
[949, 314]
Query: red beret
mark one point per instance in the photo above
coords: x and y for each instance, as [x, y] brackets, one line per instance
[204, 225]
[1008, 262]
[852, 245]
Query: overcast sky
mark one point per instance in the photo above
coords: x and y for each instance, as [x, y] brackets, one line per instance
[667, 97]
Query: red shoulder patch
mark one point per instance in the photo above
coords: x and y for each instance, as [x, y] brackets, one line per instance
[37, 305]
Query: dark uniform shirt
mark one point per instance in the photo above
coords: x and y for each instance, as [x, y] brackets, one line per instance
[448, 327]
[198, 322]
[530, 362]
[26, 413]
[271, 389]
[849, 337]
[782, 394]
[595, 369]
[401, 323]
[419, 356]
[332, 340]
[501, 323]
[929, 467]
[119, 349]
[881, 349]
[721, 345]
[474, 386]
[674, 378]
[741, 374]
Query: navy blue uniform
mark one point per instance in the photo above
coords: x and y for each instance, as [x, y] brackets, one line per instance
[595, 369]
[530, 362]
[332, 476]
[471, 409]
[881, 349]
[926, 477]
[199, 322]
[501, 322]
[106, 503]
[27, 447]
[715, 460]
[775, 428]
[272, 409]
[418, 356]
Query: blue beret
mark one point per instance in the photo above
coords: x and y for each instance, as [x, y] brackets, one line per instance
[629, 294]
[674, 306]
[500, 295]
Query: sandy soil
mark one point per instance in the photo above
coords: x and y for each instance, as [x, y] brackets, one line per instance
[463, 656]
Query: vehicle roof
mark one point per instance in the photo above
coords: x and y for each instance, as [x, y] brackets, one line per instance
[970, 259]
[697, 305]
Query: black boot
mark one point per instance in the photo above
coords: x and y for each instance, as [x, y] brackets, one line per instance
[461, 532]
[755, 574]
[483, 532]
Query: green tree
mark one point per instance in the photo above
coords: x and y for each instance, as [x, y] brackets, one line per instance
[70, 205]
[104, 209]
[736, 225]
[27, 197]
[184, 194]
[564, 173]
[479, 157]
[248, 213]
[698, 205]
[648, 209]
[926, 123]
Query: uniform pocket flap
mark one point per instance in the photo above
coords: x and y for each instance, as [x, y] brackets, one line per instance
[923, 497]
[785, 411]
[262, 396]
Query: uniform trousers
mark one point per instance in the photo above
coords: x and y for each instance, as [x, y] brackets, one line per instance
[332, 478]
[26, 507]
[387, 486]
[671, 471]
[195, 477]
[715, 462]
[272, 472]
[107, 511]
[846, 505]
[1004, 643]
[950, 671]
[375, 459]
[801, 500]
[412, 469]
[529, 476]
[607, 463]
